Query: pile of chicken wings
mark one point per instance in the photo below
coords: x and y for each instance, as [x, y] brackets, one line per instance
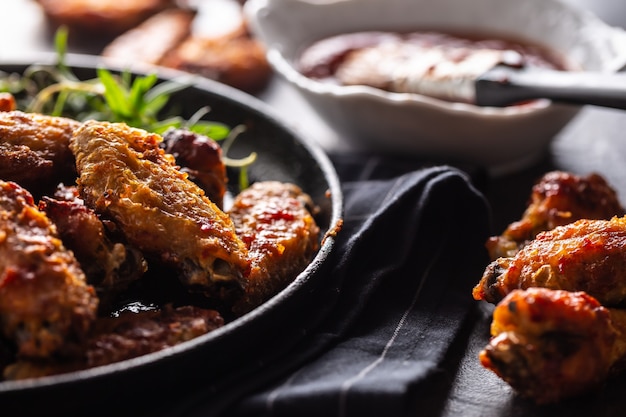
[115, 242]
[557, 278]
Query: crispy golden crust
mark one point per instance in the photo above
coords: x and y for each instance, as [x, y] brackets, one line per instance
[34, 148]
[275, 221]
[550, 345]
[126, 177]
[46, 307]
[587, 255]
[558, 198]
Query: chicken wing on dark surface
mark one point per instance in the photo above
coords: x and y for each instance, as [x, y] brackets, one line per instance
[553, 344]
[127, 336]
[34, 149]
[558, 198]
[46, 306]
[587, 255]
[275, 220]
[126, 177]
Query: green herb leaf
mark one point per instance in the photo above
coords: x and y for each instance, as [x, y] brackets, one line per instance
[115, 94]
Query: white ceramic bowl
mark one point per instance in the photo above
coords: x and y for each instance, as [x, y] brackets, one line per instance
[500, 139]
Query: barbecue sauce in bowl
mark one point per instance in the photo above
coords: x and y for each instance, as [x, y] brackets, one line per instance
[403, 62]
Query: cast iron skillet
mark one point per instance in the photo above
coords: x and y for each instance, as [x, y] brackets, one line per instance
[228, 352]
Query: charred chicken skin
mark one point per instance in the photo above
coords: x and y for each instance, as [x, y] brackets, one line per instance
[587, 255]
[46, 306]
[553, 344]
[34, 149]
[125, 176]
[558, 198]
[276, 223]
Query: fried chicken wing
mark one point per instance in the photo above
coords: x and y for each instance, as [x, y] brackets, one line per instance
[34, 149]
[201, 158]
[125, 337]
[275, 221]
[558, 198]
[109, 266]
[587, 255]
[551, 344]
[125, 176]
[46, 306]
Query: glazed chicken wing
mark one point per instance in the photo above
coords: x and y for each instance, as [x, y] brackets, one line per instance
[126, 177]
[46, 306]
[587, 255]
[34, 149]
[558, 198]
[275, 221]
[553, 344]
[201, 158]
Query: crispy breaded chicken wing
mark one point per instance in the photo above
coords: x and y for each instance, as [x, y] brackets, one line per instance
[125, 176]
[587, 255]
[46, 306]
[558, 198]
[275, 220]
[553, 344]
[34, 149]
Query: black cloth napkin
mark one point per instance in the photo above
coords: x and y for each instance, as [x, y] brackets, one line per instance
[411, 249]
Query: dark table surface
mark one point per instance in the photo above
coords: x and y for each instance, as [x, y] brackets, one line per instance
[593, 142]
